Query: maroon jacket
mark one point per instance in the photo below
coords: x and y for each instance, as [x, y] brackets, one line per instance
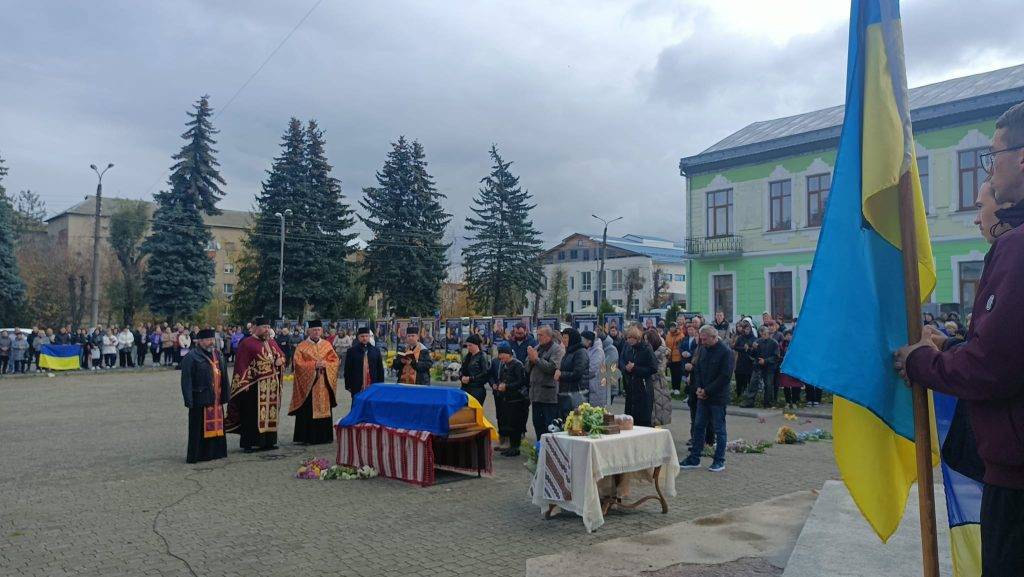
[987, 372]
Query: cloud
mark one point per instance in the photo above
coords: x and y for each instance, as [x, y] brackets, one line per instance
[594, 100]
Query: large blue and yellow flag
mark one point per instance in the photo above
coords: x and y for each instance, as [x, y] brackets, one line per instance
[59, 357]
[857, 277]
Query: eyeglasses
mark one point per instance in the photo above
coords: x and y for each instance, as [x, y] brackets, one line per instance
[989, 157]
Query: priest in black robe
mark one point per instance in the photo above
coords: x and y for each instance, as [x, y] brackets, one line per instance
[363, 363]
[205, 388]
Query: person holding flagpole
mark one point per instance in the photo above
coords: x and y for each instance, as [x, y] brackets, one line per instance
[987, 371]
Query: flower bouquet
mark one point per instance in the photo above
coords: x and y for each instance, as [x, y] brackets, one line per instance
[742, 446]
[786, 436]
[322, 470]
[585, 420]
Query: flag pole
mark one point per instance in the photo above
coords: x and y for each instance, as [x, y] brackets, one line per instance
[922, 414]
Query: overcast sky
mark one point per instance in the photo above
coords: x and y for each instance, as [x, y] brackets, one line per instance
[595, 101]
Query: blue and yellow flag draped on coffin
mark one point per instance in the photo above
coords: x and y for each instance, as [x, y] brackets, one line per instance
[857, 276]
[60, 357]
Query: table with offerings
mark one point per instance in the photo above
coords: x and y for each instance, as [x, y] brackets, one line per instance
[589, 475]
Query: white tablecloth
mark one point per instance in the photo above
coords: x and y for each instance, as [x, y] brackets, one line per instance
[569, 468]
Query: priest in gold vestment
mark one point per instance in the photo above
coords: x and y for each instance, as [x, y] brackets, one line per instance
[315, 389]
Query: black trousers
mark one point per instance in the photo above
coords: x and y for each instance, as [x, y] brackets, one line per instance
[543, 415]
[640, 401]
[1002, 532]
[742, 380]
[676, 370]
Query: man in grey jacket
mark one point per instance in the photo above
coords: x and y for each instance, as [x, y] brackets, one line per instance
[541, 363]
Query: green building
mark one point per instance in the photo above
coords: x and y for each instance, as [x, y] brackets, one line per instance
[755, 200]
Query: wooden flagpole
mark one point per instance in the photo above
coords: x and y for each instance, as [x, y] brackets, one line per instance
[922, 410]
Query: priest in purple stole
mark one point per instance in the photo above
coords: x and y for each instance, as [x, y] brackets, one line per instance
[204, 386]
[255, 403]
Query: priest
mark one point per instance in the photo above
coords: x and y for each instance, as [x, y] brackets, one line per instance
[363, 363]
[414, 366]
[204, 385]
[256, 390]
[315, 389]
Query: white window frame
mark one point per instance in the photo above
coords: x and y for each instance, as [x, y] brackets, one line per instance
[622, 280]
[803, 269]
[586, 281]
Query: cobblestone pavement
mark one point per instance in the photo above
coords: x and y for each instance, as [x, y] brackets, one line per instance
[93, 482]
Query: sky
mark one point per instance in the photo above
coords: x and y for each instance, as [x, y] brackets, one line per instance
[595, 101]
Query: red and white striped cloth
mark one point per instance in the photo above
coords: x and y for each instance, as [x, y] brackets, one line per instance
[401, 454]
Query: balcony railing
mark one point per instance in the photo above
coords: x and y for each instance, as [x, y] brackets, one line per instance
[711, 247]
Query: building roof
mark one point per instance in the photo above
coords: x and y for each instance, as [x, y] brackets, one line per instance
[227, 218]
[958, 100]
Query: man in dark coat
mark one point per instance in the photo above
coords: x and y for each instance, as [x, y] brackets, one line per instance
[713, 373]
[205, 388]
[985, 373]
[511, 388]
[363, 363]
[418, 358]
[520, 340]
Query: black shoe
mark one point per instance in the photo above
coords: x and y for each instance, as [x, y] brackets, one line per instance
[248, 450]
[510, 453]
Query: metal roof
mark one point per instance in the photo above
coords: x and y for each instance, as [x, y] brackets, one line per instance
[649, 246]
[960, 99]
[227, 218]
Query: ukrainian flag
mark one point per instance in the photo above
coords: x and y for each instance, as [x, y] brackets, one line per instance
[60, 357]
[963, 500]
[854, 315]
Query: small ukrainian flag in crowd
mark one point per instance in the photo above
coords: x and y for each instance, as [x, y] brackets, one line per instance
[858, 263]
[60, 357]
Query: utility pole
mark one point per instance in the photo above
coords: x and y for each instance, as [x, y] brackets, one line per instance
[280, 267]
[604, 251]
[95, 317]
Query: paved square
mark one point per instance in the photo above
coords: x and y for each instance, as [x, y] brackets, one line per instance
[93, 482]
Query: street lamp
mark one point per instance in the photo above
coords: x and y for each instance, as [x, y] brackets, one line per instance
[95, 316]
[280, 267]
[604, 249]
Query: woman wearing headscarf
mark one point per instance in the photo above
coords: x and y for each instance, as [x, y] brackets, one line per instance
[572, 373]
[598, 382]
[638, 364]
[662, 411]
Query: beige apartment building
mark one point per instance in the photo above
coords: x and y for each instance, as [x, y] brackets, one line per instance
[71, 235]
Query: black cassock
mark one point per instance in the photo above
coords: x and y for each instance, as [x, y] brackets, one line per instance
[197, 389]
[313, 431]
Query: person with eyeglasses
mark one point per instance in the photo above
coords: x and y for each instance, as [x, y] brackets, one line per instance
[986, 372]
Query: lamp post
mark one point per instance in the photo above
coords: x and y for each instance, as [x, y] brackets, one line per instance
[280, 267]
[95, 316]
[604, 250]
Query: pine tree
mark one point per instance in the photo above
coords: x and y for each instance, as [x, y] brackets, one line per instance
[317, 233]
[501, 261]
[284, 189]
[195, 172]
[322, 266]
[406, 259]
[12, 287]
[179, 272]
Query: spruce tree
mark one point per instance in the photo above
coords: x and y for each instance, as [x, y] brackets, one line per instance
[405, 259]
[502, 258]
[12, 287]
[317, 233]
[284, 188]
[179, 272]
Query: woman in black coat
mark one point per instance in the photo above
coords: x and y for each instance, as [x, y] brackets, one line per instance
[476, 369]
[638, 364]
[573, 373]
